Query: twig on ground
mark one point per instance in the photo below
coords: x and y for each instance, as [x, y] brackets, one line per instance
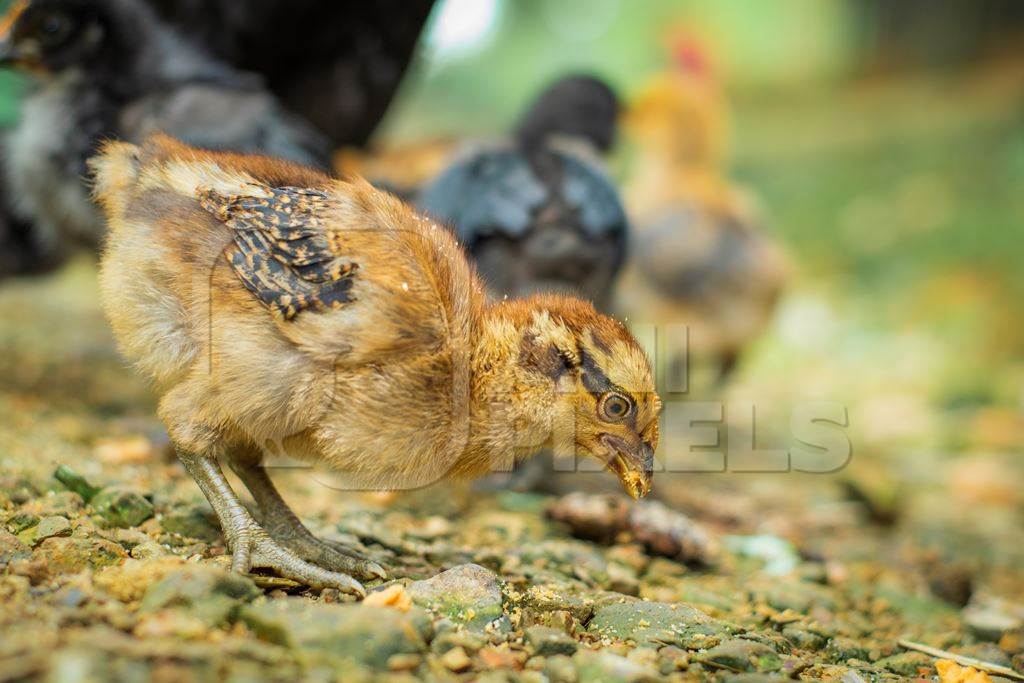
[963, 660]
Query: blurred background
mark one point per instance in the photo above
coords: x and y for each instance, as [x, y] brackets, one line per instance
[885, 144]
[882, 144]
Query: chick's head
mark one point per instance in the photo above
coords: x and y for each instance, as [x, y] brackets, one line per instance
[680, 116]
[606, 405]
[47, 37]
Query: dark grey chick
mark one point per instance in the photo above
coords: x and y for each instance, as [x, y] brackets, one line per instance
[540, 214]
[110, 69]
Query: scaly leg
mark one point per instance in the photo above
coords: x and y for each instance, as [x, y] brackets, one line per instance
[250, 545]
[285, 527]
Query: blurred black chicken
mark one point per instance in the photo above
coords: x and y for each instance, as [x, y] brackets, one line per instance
[539, 213]
[110, 68]
[337, 63]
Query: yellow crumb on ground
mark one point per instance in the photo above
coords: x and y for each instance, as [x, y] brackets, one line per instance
[393, 596]
[951, 672]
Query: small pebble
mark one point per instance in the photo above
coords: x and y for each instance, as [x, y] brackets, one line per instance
[456, 660]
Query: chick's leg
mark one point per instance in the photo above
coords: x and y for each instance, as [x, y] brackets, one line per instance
[250, 545]
[285, 527]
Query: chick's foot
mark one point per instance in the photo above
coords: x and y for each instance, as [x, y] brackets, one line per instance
[250, 544]
[252, 547]
[332, 555]
[285, 527]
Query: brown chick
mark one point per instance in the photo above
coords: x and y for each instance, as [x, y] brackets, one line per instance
[701, 258]
[277, 308]
[696, 136]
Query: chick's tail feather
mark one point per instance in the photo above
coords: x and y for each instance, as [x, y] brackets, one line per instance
[114, 170]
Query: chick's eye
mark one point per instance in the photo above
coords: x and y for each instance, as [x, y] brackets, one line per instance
[53, 28]
[616, 407]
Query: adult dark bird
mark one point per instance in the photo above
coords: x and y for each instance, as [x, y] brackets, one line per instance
[539, 213]
[276, 308]
[110, 69]
[337, 63]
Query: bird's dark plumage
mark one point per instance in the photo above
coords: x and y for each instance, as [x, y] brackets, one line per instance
[110, 69]
[338, 63]
[582, 107]
[21, 253]
[535, 214]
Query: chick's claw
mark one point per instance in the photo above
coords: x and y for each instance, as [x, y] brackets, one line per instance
[254, 548]
[334, 556]
[357, 564]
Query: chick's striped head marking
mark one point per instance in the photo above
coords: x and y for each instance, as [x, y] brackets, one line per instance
[606, 402]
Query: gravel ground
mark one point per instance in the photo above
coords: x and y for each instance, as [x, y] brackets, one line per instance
[112, 567]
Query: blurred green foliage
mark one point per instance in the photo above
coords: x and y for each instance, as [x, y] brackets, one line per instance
[885, 143]
[11, 88]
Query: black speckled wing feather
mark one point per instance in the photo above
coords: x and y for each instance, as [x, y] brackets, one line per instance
[283, 255]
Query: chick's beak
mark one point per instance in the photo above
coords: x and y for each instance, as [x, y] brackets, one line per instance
[633, 465]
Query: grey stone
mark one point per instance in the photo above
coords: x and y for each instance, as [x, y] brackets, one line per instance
[605, 667]
[210, 593]
[545, 641]
[538, 601]
[560, 669]
[804, 640]
[122, 507]
[656, 623]
[991, 621]
[839, 650]
[192, 521]
[50, 527]
[743, 656]
[367, 636]
[468, 594]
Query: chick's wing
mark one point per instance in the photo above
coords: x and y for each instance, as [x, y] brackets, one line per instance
[283, 255]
